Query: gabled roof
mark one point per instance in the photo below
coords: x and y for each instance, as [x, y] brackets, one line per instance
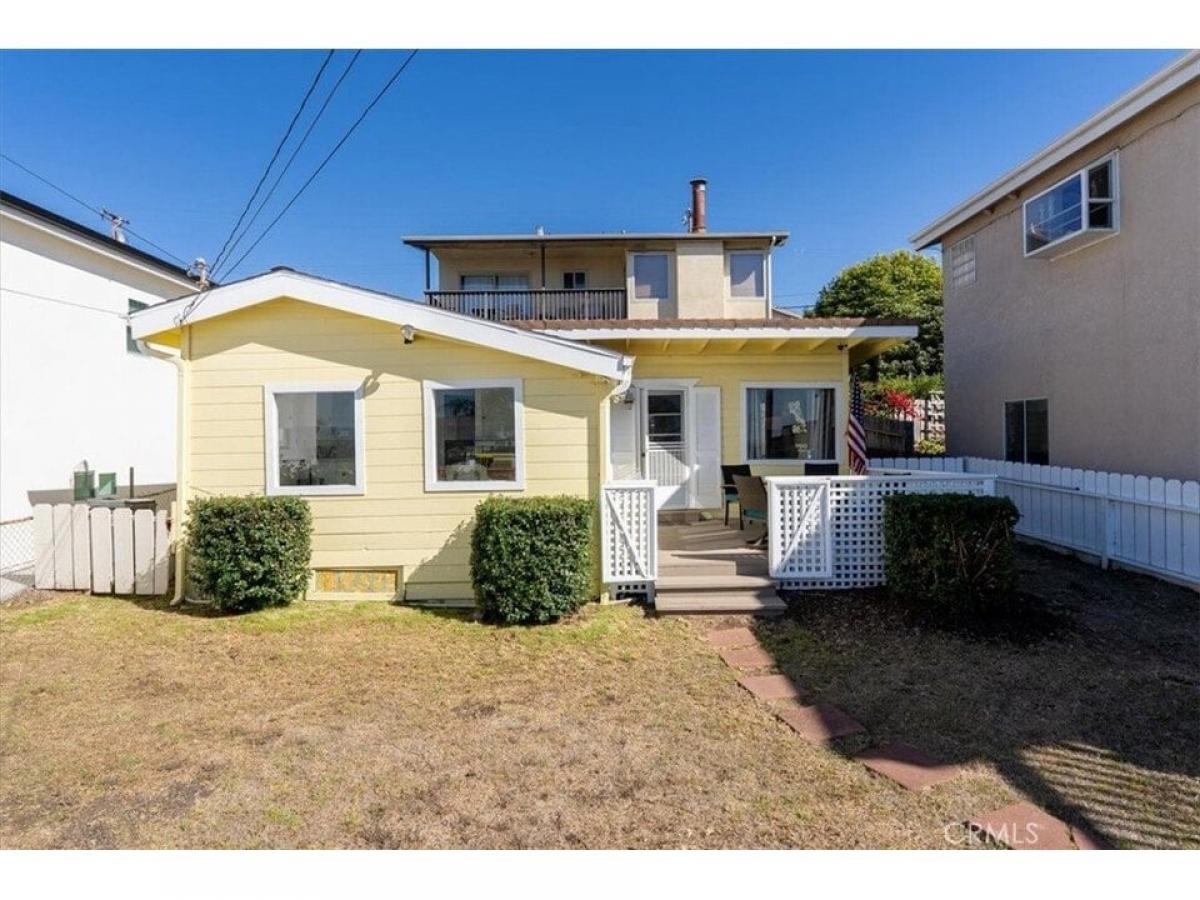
[1175, 76]
[436, 241]
[166, 317]
[12, 203]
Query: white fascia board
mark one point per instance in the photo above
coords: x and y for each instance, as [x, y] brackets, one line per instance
[1149, 92]
[357, 301]
[79, 241]
[862, 332]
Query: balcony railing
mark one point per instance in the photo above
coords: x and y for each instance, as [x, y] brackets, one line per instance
[508, 306]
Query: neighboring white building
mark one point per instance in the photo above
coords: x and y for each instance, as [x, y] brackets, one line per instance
[71, 387]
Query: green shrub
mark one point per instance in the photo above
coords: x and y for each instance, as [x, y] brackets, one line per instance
[245, 553]
[930, 447]
[949, 557]
[531, 557]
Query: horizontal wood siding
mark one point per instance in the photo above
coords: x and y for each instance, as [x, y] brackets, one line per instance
[729, 371]
[396, 523]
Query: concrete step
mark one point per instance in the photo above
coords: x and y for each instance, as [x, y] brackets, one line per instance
[764, 601]
[707, 583]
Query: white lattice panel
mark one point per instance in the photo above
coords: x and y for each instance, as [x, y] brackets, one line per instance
[800, 542]
[855, 524]
[628, 533]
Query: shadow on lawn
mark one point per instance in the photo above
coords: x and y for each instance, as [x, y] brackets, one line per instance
[1089, 703]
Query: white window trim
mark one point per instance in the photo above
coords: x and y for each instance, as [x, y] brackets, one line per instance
[1024, 401]
[271, 414]
[631, 286]
[974, 263]
[430, 437]
[839, 392]
[729, 274]
[1081, 174]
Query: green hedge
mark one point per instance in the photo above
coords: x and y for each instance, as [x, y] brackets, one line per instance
[245, 553]
[531, 557]
[950, 556]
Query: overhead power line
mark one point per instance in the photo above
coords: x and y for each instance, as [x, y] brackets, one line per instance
[274, 156]
[88, 206]
[291, 159]
[338, 146]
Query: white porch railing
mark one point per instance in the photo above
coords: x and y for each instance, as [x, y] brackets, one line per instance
[629, 535]
[827, 531]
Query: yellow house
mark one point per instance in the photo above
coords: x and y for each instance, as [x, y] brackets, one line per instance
[540, 364]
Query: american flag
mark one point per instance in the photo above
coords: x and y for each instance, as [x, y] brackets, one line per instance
[856, 434]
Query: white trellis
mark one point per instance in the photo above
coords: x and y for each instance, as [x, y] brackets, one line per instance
[851, 524]
[629, 535]
[800, 542]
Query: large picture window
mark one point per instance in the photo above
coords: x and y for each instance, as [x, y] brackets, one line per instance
[790, 423]
[1027, 432]
[315, 441]
[473, 436]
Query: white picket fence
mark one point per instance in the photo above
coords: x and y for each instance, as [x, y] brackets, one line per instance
[826, 532]
[1143, 523]
[105, 551]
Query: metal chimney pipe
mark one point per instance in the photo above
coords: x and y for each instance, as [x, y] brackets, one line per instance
[699, 205]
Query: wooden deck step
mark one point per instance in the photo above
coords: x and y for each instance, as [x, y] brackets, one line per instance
[764, 601]
[672, 565]
[712, 582]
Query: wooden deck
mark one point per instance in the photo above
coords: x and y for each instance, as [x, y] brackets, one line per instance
[708, 568]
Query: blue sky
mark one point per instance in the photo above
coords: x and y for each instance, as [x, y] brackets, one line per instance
[849, 151]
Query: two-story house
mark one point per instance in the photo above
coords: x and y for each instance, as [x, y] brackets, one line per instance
[1072, 294]
[538, 364]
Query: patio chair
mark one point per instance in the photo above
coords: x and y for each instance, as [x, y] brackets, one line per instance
[729, 489]
[752, 501]
[820, 468]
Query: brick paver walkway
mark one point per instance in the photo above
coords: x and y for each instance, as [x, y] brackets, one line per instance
[1023, 826]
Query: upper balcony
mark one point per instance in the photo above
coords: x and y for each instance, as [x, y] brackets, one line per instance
[559, 277]
[542, 304]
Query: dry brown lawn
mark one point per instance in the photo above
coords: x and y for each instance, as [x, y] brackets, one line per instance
[129, 724]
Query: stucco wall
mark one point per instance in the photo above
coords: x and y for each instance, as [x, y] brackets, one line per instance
[69, 390]
[699, 277]
[1110, 334]
[396, 521]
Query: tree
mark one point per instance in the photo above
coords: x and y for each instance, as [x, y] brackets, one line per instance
[893, 285]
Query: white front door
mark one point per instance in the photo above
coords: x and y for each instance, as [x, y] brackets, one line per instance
[666, 451]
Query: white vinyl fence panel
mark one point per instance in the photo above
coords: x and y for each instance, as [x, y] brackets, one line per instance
[827, 531]
[101, 550]
[1144, 523]
[629, 534]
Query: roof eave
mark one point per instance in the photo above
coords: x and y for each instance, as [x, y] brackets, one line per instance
[1150, 91]
[163, 318]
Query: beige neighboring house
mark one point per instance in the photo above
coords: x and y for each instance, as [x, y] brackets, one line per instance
[1072, 289]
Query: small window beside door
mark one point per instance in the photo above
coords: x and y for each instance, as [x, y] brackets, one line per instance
[1027, 431]
[574, 281]
[664, 417]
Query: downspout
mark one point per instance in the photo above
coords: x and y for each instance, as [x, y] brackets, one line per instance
[182, 416]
